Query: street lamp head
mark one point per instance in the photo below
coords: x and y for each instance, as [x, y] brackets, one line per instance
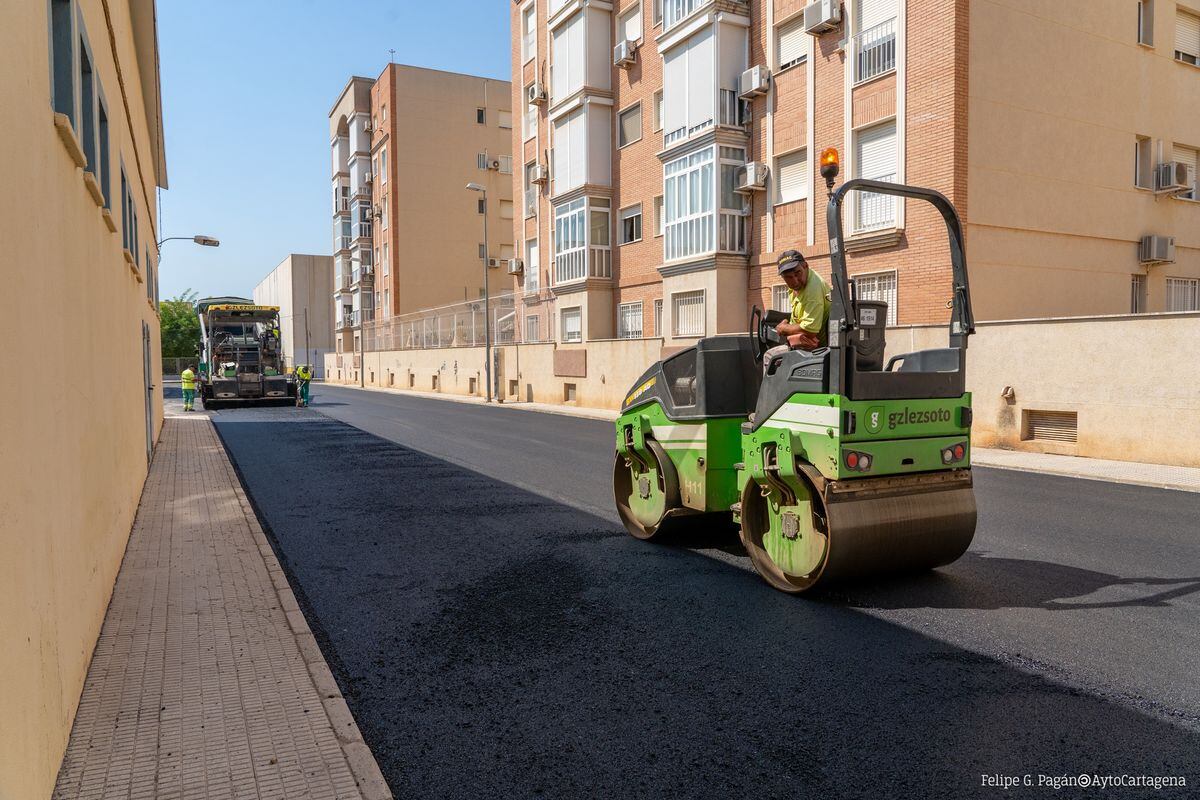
[475, 187]
[206, 241]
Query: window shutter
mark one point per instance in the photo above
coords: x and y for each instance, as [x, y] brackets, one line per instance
[793, 42]
[578, 158]
[1187, 33]
[876, 156]
[631, 125]
[632, 23]
[701, 92]
[790, 176]
[675, 89]
[874, 12]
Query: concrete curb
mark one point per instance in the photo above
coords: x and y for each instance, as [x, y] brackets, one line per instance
[361, 761]
[976, 461]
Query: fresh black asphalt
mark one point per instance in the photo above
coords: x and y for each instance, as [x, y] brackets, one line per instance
[498, 635]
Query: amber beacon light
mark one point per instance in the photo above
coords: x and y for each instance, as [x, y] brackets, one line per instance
[829, 165]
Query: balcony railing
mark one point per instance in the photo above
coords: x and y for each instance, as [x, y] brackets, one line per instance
[675, 11]
[730, 109]
[362, 230]
[684, 132]
[363, 191]
[341, 205]
[361, 315]
[571, 265]
[343, 242]
[875, 211]
[343, 281]
[363, 274]
[530, 202]
[731, 232]
[875, 51]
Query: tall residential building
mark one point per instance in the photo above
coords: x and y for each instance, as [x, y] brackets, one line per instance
[299, 285]
[82, 138]
[668, 155]
[408, 233]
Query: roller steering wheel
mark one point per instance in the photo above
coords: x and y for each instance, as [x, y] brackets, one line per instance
[763, 335]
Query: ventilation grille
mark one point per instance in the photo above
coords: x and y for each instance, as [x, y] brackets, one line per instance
[1052, 426]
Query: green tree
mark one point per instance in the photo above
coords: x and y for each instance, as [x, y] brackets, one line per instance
[180, 326]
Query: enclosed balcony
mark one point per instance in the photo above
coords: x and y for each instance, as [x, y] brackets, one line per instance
[703, 213]
[582, 240]
[700, 78]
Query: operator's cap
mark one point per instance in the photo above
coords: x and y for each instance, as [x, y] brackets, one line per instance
[790, 260]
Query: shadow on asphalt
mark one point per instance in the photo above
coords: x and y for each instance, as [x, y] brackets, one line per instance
[492, 642]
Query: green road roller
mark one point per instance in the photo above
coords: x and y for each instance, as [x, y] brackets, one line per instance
[832, 463]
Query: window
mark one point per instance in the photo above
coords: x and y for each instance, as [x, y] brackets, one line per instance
[531, 116]
[1187, 37]
[658, 330]
[383, 165]
[629, 320]
[631, 224]
[731, 222]
[791, 172]
[780, 299]
[1188, 155]
[386, 303]
[875, 39]
[87, 106]
[1145, 22]
[879, 286]
[129, 225]
[570, 151]
[480, 205]
[532, 326]
[581, 240]
[658, 215]
[104, 175]
[149, 276]
[533, 267]
[529, 29]
[386, 260]
[568, 50]
[658, 110]
[62, 58]
[481, 116]
[688, 192]
[875, 159]
[1137, 294]
[791, 42]
[689, 92]
[1143, 163]
[482, 251]
[629, 126]
[629, 26]
[505, 164]
[1183, 294]
[506, 209]
[687, 313]
[572, 324]
[658, 12]
[504, 119]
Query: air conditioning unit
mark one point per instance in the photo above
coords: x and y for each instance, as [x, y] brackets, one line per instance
[822, 16]
[494, 263]
[1157, 250]
[378, 212]
[540, 174]
[1174, 177]
[753, 178]
[515, 266]
[366, 177]
[367, 126]
[624, 54]
[535, 94]
[494, 164]
[755, 81]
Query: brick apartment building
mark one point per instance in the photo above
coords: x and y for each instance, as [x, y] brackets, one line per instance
[660, 181]
[407, 233]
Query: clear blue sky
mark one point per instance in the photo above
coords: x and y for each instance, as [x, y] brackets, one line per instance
[247, 87]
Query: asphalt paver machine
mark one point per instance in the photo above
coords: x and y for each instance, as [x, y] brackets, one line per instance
[833, 464]
[241, 360]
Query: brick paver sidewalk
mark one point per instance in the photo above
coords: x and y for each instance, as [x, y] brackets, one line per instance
[206, 681]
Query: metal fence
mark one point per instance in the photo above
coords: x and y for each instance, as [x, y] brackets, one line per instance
[512, 318]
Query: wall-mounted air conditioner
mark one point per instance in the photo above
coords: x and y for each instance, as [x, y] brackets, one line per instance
[366, 178]
[535, 94]
[515, 266]
[822, 16]
[755, 81]
[540, 175]
[494, 263]
[1157, 250]
[624, 54]
[753, 178]
[1174, 177]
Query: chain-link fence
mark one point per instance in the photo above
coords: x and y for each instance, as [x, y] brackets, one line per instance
[513, 318]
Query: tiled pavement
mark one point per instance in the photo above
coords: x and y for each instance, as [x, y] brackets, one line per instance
[206, 681]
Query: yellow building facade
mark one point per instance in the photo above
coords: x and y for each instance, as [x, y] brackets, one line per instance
[81, 155]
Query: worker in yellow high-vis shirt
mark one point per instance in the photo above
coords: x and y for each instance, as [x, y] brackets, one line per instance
[304, 376]
[188, 376]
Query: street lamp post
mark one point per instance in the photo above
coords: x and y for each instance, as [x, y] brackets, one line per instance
[202, 240]
[487, 314]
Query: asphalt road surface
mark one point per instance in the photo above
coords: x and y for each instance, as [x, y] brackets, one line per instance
[497, 634]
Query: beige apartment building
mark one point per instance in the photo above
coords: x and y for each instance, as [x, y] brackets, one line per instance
[299, 285]
[408, 234]
[81, 136]
[667, 155]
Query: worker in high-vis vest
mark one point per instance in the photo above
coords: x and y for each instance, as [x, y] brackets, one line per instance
[188, 377]
[304, 374]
